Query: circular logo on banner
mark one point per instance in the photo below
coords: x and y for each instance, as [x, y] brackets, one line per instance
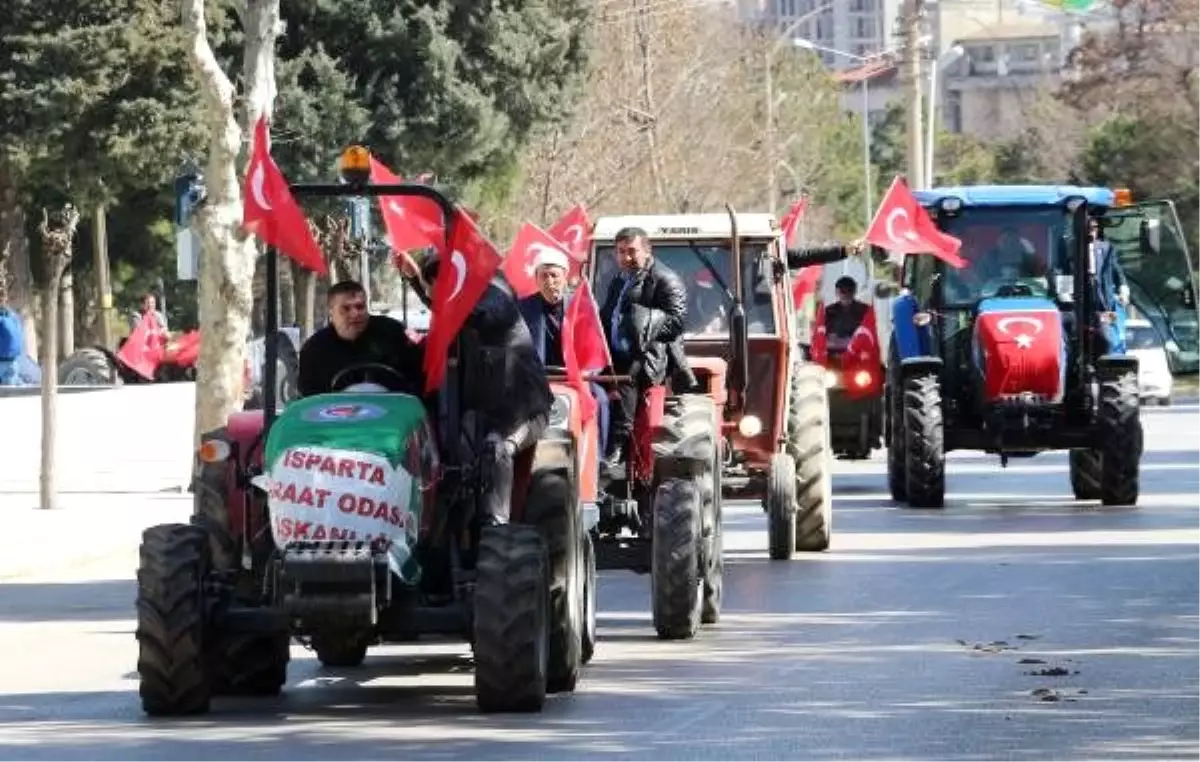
[345, 411]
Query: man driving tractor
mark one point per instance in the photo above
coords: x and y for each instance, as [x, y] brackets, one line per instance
[643, 317]
[355, 337]
[843, 317]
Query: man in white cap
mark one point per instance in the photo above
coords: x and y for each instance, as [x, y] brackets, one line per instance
[544, 313]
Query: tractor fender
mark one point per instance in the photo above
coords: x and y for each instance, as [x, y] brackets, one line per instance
[911, 366]
[1115, 364]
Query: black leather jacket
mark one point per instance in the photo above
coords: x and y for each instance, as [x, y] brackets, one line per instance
[652, 315]
[504, 376]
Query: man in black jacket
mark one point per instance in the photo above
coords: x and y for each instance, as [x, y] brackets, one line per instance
[642, 314]
[506, 398]
[355, 337]
[844, 316]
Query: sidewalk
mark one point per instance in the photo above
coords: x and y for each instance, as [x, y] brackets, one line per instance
[124, 461]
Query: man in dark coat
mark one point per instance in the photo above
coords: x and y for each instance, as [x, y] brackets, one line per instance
[643, 318]
[844, 316]
[544, 313]
[506, 398]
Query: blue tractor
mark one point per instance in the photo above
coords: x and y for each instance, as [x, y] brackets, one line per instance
[1021, 350]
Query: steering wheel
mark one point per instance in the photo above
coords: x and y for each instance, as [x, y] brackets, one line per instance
[370, 372]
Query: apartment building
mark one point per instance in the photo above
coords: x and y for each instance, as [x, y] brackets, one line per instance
[856, 27]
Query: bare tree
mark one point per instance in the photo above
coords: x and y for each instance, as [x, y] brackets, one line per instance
[14, 253]
[671, 119]
[225, 293]
[58, 239]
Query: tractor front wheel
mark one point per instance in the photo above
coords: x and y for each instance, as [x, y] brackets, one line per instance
[676, 584]
[512, 613]
[1085, 466]
[781, 507]
[924, 443]
[808, 444]
[1120, 438]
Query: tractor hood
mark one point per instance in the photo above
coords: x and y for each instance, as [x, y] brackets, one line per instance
[1020, 350]
[352, 467]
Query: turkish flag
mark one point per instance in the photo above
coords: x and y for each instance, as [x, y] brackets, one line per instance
[520, 263]
[143, 350]
[1020, 350]
[902, 226]
[584, 347]
[791, 221]
[862, 359]
[412, 222]
[463, 276]
[805, 283]
[573, 232]
[270, 212]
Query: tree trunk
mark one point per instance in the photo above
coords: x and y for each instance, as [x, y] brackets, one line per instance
[66, 315]
[225, 297]
[287, 292]
[49, 394]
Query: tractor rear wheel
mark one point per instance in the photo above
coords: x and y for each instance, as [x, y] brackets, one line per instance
[171, 626]
[589, 618]
[88, 366]
[924, 443]
[553, 507]
[341, 649]
[246, 664]
[512, 628]
[781, 507]
[808, 444]
[1085, 468]
[1120, 438]
[676, 583]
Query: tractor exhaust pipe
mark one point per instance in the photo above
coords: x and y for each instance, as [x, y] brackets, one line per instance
[1082, 297]
[739, 372]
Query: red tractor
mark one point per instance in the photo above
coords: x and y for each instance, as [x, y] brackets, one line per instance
[351, 519]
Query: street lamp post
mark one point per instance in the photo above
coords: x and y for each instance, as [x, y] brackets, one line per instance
[866, 118]
[769, 83]
[947, 58]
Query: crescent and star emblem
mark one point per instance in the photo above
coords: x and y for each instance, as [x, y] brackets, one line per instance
[258, 179]
[890, 226]
[574, 234]
[459, 263]
[1024, 339]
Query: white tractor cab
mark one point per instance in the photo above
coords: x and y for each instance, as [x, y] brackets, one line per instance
[1143, 341]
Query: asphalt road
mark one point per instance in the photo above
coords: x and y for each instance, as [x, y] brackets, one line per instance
[914, 638]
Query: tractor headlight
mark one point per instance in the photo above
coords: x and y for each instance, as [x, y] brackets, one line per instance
[560, 411]
[833, 379]
[750, 426]
[862, 379]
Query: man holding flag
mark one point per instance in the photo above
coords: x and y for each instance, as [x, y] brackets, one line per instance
[547, 314]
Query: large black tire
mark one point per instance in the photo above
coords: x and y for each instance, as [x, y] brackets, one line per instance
[690, 434]
[1120, 423]
[171, 627]
[1085, 468]
[249, 665]
[781, 507]
[89, 366]
[897, 478]
[924, 442]
[676, 583]
[808, 444]
[589, 619]
[341, 649]
[553, 507]
[512, 632]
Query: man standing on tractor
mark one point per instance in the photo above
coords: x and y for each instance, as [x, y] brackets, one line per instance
[544, 313]
[355, 337]
[1112, 289]
[643, 317]
[843, 317]
[506, 397]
